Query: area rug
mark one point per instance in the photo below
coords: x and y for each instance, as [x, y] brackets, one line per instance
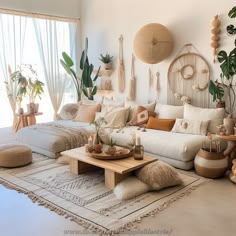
[84, 198]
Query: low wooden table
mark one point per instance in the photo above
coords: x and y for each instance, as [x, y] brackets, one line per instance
[25, 119]
[115, 170]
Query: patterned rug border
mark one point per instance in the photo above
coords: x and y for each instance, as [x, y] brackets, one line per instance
[91, 226]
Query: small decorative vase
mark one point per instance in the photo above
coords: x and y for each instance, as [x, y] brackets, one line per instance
[210, 164]
[107, 66]
[20, 111]
[30, 108]
[111, 151]
[97, 148]
[220, 105]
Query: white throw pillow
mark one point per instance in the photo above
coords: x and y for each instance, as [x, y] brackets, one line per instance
[169, 111]
[214, 115]
[159, 175]
[190, 126]
[130, 188]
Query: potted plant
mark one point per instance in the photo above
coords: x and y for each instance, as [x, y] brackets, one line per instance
[228, 70]
[217, 92]
[111, 150]
[86, 84]
[106, 59]
[28, 85]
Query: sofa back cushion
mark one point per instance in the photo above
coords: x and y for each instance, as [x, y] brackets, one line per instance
[160, 124]
[214, 115]
[186, 126]
[169, 111]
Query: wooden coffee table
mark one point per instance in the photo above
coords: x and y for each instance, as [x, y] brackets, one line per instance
[115, 170]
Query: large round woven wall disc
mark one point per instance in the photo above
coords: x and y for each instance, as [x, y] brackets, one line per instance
[153, 43]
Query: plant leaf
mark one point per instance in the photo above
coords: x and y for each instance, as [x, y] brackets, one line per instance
[232, 12]
[231, 29]
[67, 59]
[67, 69]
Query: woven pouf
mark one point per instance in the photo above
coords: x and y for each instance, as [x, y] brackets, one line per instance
[210, 164]
[15, 155]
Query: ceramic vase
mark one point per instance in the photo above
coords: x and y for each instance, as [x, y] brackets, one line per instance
[229, 125]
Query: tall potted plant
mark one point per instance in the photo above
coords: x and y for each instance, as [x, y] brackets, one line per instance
[228, 70]
[86, 84]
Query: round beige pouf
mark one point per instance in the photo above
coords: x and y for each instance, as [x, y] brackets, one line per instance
[15, 155]
[210, 164]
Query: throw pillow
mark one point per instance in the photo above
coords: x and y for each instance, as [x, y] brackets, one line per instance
[159, 175]
[69, 111]
[214, 115]
[141, 116]
[116, 118]
[130, 188]
[169, 111]
[186, 126]
[160, 124]
[133, 107]
[86, 113]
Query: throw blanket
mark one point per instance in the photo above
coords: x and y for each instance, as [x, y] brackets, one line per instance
[72, 136]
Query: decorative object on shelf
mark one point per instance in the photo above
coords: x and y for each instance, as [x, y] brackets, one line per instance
[158, 87]
[106, 59]
[121, 68]
[210, 163]
[215, 36]
[232, 175]
[228, 72]
[138, 149]
[132, 84]
[28, 85]
[86, 84]
[153, 43]
[188, 77]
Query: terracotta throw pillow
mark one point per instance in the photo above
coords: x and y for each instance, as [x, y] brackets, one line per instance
[141, 116]
[86, 113]
[159, 175]
[160, 124]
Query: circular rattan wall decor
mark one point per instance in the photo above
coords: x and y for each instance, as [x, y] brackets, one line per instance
[189, 74]
[153, 43]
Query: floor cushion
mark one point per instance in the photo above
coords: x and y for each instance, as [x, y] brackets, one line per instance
[12, 155]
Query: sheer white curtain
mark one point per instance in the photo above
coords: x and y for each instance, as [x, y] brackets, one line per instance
[54, 37]
[12, 30]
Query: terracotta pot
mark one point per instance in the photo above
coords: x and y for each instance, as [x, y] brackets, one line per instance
[111, 151]
[210, 164]
[97, 148]
[30, 108]
[220, 105]
[107, 66]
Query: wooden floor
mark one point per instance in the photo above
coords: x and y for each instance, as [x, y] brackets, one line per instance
[209, 210]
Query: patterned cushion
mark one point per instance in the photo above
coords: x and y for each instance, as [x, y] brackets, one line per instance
[69, 111]
[141, 116]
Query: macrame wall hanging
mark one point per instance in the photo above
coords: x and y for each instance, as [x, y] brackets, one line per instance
[132, 84]
[215, 39]
[153, 84]
[188, 77]
[121, 68]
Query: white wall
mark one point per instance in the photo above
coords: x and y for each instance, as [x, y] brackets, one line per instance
[102, 21]
[69, 8]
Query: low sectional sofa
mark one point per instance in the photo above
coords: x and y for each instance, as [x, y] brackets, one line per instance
[177, 147]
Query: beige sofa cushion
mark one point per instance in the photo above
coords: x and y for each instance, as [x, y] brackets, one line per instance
[69, 111]
[86, 113]
[15, 155]
[169, 111]
[214, 115]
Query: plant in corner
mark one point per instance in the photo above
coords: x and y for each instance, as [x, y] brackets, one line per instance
[106, 59]
[228, 71]
[86, 83]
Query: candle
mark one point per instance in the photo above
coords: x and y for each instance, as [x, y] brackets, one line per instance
[138, 141]
[90, 141]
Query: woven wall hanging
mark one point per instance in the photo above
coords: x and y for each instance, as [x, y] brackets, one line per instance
[188, 77]
[153, 43]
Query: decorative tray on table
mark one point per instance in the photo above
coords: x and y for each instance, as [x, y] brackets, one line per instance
[119, 154]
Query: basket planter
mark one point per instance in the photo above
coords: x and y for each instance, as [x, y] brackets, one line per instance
[210, 164]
